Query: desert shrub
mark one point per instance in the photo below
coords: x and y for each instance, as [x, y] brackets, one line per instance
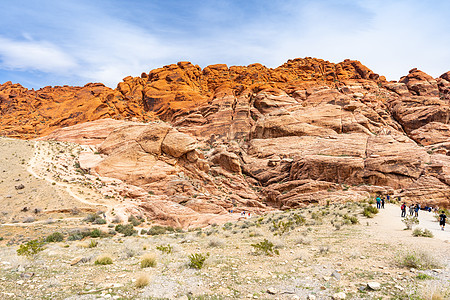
[282, 226]
[142, 281]
[197, 260]
[90, 218]
[31, 248]
[95, 233]
[157, 230]
[299, 220]
[55, 237]
[133, 220]
[352, 219]
[215, 242]
[99, 221]
[265, 247]
[165, 249]
[410, 221]
[74, 237]
[422, 276]
[148, 260]
[75, 211]
[227, 226]
[103, 260]
[116, 220]
[126, 230]
[369, 211]
[422, 232]
[143, 231]
[92, 244]
[418, 260]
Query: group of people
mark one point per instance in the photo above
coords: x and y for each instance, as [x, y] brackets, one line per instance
[413, 209]
[380, 201]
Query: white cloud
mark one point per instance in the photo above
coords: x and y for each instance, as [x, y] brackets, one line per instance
[88, 42]
[35, 55]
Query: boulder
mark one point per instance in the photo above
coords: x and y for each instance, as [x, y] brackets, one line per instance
[177, 144]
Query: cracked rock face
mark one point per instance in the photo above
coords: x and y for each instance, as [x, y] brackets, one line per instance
[253, 138]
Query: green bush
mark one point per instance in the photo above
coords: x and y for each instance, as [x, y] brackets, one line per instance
[165, 249]
[352, 219]
[75, 237]
[95, 233]
[157, 230]
[126, 230]
[227, 226]
[197, 260]
[99, 221]
[422, 276]
[369, 211]
[265, 247]
[55, 237]
[90, 218]
[299, 220]
[282, 226]
[422, 232]
[30, 248]
[418, 260]
[92, 244]
[133, 220]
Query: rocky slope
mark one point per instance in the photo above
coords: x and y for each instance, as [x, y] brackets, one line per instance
[252, 138]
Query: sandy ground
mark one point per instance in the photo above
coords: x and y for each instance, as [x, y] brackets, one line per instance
[309, 253]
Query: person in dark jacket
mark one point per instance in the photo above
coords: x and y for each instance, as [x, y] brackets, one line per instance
[442, 218]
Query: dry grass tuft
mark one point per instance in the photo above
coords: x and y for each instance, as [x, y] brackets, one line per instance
[148, 260]
[104, 259]
[142, 281]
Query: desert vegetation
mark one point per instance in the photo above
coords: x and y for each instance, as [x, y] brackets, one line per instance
[296, 253]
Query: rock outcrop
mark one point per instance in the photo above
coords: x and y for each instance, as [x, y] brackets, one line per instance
[253, 138]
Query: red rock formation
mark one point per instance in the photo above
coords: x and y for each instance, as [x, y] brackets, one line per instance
[29, 114]
[306, 132]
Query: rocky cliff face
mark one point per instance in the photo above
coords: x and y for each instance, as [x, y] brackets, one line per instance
[252, 137]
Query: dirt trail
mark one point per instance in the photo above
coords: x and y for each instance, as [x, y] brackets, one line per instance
[109, 205]
[388, 223]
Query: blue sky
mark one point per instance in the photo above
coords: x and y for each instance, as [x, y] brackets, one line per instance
[54, 42]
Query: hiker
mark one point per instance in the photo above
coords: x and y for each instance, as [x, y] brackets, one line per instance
[388, 199]
[403, 208]
[411, 209]
[416, 210]
[378, 202]
[382, 202]
[442, 218]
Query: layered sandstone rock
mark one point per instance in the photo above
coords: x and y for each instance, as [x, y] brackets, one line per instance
[254, 138]
[29, 113]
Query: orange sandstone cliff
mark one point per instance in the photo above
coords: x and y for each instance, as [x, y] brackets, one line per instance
[251, 138]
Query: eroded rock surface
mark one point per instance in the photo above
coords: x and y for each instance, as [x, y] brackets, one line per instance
[254, 138]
